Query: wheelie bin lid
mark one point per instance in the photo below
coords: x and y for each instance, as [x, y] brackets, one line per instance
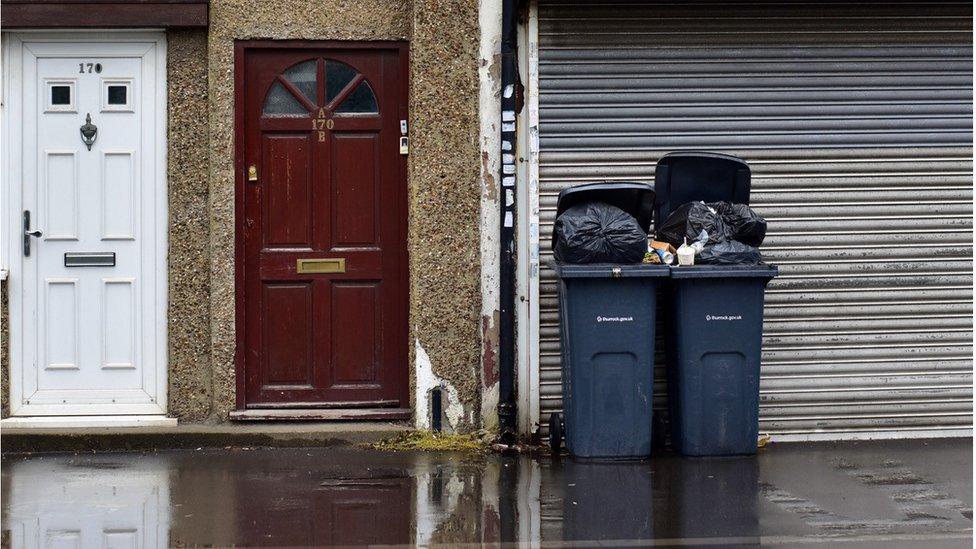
[725, 271]
[689, 176]
[633, 197]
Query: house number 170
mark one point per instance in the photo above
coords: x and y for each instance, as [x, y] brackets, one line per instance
[87, 67]
[318, 124]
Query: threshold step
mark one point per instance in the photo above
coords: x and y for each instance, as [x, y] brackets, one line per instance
[320, 414]
[30, 423]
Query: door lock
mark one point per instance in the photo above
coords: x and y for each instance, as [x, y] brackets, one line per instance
[28, 233]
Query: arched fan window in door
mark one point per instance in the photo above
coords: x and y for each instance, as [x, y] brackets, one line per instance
[320, 84]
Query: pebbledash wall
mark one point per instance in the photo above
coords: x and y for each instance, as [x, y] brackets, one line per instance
[451, 333]
[443, 178]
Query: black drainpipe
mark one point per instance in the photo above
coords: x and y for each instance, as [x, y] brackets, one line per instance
[507, 406]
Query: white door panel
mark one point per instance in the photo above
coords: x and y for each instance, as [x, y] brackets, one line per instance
[89, 339]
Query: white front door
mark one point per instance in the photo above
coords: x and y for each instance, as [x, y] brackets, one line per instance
[86, 222]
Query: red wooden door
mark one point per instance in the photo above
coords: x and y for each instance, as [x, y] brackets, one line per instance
[321, 236]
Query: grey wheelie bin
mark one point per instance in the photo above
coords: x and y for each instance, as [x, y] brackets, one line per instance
[715, 318]
[607, 314]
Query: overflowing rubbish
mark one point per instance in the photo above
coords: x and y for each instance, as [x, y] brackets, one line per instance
[664, 251]
[713, 314]
[609, 279]
[597, 232]
[720, 233]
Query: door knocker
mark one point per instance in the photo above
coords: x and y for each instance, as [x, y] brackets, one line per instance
[89, 132]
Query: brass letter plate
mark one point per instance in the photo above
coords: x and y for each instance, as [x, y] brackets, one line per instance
[320, 266]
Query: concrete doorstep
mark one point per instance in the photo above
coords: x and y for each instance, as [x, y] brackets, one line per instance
[194, 435]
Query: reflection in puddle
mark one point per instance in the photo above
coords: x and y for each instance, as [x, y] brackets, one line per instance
[316, 497]
[65, 503]
[598, 494]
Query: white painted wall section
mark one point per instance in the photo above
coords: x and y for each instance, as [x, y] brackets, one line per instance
[489, 112]
[427, 381]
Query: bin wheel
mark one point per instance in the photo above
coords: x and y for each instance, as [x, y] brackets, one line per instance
[555, 433]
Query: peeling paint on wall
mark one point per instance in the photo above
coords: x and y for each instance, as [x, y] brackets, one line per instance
[427, 381]
[489, 77]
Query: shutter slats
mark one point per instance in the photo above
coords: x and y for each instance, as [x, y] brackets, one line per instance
[857, 122]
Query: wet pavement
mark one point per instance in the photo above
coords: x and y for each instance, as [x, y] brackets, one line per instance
[880, 494]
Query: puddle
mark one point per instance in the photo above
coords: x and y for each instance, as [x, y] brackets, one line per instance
[337, 496]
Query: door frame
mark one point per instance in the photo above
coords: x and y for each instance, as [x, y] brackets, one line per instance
[11, 205]
[527, 237]
[241, 49]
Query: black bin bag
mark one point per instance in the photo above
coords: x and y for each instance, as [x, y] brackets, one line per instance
[688, 221]
[597, 232]
[722, 221]
[729, 252]
[742, 223]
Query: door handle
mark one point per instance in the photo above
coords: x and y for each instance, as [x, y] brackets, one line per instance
[28, 233]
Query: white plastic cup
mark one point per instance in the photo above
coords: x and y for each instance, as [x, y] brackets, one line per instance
[686, 254]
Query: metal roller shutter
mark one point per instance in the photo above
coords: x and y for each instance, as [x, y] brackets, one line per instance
[857, 121]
